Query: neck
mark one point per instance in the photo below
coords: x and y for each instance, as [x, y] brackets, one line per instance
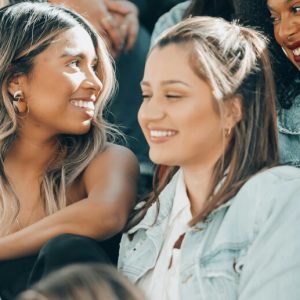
[197, 181]
[30, 154]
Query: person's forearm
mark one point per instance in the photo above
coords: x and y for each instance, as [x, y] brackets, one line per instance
[86, 218]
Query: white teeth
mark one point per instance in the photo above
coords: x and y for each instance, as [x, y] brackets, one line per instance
[160, 133]
[84, 104]
[296, 51]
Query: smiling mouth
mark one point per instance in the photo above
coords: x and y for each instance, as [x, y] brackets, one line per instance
[296, 52]
[88, 107]
[84, 104]
[162, 133]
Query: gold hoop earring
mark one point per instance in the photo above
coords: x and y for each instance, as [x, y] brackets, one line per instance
[227, 132]
[20, 106]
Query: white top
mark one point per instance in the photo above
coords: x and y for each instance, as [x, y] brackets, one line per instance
[162, 282]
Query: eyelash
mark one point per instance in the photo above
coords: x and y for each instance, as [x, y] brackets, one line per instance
[294, 9]
[168, 96]
[77, 62]
[146, 97]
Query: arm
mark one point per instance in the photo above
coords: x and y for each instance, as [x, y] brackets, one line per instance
[110, 181]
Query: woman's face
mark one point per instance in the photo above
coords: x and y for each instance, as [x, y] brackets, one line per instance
[285, 15]
[63, 86]
[178, 115]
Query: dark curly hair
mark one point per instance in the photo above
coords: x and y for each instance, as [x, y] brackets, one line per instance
[256, 14]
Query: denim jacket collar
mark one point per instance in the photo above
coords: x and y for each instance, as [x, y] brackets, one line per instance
[165, 206]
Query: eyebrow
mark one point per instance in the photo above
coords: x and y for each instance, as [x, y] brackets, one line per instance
[166, 82]
[286, 2]
[75, 53]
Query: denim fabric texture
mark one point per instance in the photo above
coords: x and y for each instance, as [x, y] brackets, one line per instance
[249, 248]
[289, 134]
[170, 18]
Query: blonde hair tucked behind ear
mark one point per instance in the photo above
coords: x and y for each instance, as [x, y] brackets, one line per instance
[234, 61]
[27, 29]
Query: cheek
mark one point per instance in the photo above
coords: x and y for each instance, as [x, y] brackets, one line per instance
[277, 36]
[141, 118]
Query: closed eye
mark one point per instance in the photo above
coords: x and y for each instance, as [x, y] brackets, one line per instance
[146, 96]
[171, 96]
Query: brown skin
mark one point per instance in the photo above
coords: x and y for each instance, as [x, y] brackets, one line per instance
[107, 188]
[117, 20]
[285, 16]
[100, 199]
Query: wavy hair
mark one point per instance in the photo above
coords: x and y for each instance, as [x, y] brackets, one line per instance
[26, 30]
[234, 61]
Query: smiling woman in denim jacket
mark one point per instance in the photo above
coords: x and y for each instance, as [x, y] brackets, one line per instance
[223, 220]
[255, 13]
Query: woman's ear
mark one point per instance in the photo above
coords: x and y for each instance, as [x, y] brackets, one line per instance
[233, 111]
[15, 84]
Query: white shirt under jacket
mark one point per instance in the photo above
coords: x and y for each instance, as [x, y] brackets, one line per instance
[162, 281]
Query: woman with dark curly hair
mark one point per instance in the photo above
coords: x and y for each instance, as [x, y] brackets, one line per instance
[276, 15]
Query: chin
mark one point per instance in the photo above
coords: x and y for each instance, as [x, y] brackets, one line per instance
[81, 130]
[160, 159]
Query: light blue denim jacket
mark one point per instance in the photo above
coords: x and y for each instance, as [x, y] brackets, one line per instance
[289, 134]
[167, 20]
[249, 248]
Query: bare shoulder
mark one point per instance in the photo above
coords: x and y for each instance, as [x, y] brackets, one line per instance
[115, 155]
[116, 161]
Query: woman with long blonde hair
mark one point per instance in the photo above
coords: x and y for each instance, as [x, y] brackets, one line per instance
[63, 186]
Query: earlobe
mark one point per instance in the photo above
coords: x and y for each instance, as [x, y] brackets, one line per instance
[233, 110]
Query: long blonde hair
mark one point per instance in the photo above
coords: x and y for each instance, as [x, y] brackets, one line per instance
[27, 29]
[234, 61]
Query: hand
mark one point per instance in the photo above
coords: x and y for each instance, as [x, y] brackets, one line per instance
[96, 11]
[126, 15]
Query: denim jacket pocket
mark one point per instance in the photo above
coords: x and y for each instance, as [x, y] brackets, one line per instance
[221, 272]
[137, 256]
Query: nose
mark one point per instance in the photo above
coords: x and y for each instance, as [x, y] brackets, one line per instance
[287, 27]
[151, 110]
[92, 81]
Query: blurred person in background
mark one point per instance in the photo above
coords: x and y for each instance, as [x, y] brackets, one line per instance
[84, 282]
